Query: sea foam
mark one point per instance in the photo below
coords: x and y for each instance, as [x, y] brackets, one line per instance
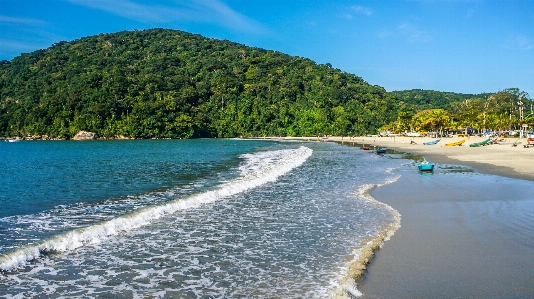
[347, 287]
[256, 170]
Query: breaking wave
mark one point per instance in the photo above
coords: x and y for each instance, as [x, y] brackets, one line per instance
[256, 170]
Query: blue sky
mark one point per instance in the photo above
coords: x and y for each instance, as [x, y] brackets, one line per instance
[465, 46]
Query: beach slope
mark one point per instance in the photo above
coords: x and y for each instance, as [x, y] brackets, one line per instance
[466, 229]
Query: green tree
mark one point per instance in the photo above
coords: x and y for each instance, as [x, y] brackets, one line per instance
[431, 120]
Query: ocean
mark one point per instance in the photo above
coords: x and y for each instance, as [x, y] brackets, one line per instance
[217, 218]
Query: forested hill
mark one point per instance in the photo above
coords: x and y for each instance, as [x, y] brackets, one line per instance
[171, 84]
[430, 99]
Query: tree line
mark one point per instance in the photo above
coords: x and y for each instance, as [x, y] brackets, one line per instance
[509, 109]
[163, 83]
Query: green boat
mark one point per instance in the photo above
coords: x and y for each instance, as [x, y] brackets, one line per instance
[482, 143]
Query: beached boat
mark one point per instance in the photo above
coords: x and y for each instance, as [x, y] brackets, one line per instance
[366, 147]
[481, 143]
[457, 143]
[431, 142]
[381, 151]
[426, 166]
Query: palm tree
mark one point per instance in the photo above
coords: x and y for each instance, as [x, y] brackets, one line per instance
[431, 119]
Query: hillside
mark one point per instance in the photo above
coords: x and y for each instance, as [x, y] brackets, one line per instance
[431, 99]
[162, 83]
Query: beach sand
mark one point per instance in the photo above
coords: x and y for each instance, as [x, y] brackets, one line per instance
[499, 159]
[466, 232]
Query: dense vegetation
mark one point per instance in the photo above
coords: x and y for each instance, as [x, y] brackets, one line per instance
[431, 99]
[505, 110]
[170, 84]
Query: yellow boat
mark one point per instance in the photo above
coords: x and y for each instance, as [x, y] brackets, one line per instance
[455, 143]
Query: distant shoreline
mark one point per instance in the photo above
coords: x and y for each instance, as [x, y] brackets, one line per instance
[499, 159]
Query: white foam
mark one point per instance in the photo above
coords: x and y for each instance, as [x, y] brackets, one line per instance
[257, 169]
[347, 287]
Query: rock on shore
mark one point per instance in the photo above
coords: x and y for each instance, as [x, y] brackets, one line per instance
[84, 135]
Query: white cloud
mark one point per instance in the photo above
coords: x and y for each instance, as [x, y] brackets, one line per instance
[223, 14]
[347, 16]
[135, 11]
[362, 10]
[209, 11]
[22, 35]
[413, 33]
[356, 9]
[406, 31]
[523, 42]
[5, 19]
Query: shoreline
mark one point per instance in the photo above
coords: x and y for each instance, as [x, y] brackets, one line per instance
[462, 234]
[498, 159]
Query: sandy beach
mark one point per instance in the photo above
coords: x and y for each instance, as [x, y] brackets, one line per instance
[466, 232]
[499, 159]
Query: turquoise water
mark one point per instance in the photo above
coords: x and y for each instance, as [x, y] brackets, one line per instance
[43, 174]
[186, 218]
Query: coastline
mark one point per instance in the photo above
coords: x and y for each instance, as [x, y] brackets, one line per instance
[463, 234]
[499, 159]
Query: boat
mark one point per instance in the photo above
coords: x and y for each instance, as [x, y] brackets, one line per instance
[431, 142]
[381, 151]
[457, 143]
[12, 140]
[366, 147]
[426, 166]
[481, 143]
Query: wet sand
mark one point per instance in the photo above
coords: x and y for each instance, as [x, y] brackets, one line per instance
[462, 235]
[466, 231]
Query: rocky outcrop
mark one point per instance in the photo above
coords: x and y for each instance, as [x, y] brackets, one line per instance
[84, 135]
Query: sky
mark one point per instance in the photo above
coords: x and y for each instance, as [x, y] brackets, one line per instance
[462, 46]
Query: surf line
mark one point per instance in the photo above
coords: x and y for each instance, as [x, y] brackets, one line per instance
[355, 269]
[258, 169]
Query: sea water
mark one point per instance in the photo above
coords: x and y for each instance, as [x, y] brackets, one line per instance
[221, 218]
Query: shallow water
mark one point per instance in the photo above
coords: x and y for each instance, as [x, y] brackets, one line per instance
[186, 219]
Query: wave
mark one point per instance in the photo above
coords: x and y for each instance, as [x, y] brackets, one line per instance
[348, 288]
[256, 170]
